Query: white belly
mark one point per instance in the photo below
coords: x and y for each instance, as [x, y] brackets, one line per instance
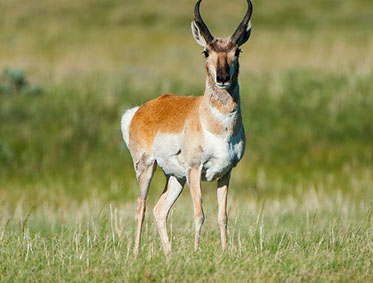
[167, 153]
[219, 154]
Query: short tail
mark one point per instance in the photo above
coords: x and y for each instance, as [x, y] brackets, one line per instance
[126, 122]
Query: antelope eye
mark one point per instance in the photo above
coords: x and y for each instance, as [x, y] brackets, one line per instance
[205, 53]
[237, 53]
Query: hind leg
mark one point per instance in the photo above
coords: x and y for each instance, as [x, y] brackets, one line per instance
[170, 194]
[144, 171]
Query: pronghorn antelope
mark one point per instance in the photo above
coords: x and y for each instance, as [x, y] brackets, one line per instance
[191, 138]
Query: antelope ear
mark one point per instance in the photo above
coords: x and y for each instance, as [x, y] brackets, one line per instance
[197, 34]
[245, 34]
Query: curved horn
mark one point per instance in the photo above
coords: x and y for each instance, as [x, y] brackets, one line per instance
[201, 24]
[243, 25]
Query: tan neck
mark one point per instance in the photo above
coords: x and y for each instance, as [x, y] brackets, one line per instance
[220, 109]
[225, 100]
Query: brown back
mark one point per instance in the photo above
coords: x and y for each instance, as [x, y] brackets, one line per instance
[166, 114]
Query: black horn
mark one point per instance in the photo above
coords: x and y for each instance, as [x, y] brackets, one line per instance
[201, 24]
[242, 28]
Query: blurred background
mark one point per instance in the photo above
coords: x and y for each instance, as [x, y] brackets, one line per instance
[69, 69]
[300, 202]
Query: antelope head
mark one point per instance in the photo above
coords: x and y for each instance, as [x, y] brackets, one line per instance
[221, 53]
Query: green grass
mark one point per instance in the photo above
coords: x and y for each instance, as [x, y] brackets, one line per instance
[311, 239]
[300, 202]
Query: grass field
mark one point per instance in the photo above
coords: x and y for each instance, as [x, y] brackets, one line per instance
[301, 200]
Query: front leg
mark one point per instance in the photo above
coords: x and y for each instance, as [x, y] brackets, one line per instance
[222, 193]
[194, 181]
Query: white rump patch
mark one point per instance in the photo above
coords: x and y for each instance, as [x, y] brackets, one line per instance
[125, 123]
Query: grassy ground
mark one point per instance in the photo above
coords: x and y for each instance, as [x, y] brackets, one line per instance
[316, 238]
[301, 200]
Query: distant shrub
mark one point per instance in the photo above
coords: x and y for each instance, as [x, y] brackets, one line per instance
[14, 81]
[5, 153]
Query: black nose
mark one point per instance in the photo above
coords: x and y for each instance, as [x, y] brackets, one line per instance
[222, 78]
